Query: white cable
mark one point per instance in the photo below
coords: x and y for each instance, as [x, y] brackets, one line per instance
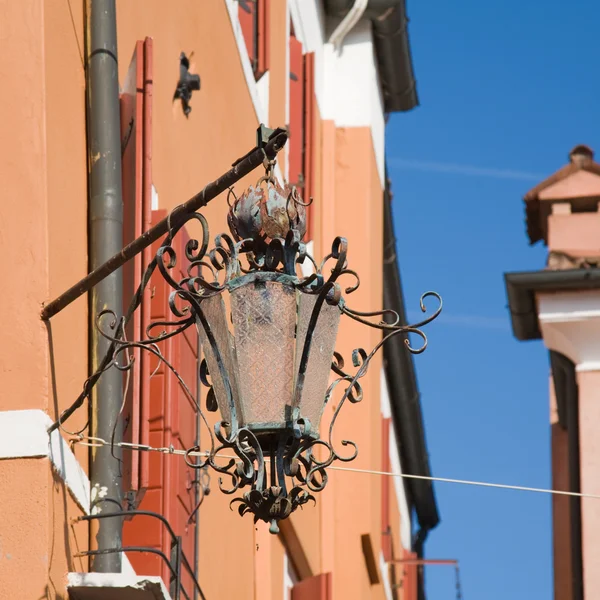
[171, 450]
[468, 482]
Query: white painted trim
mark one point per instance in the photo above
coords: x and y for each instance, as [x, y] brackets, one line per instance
[127, 567]
[352, 93]
[295, 14]
[289, 577]
[570, 317]
[232, 8]
[588, 366]
[154, 203]
[570, 324]
[569, 305]
[387, 587]
[24, 434]
[384, 396]
[394, 450]
[263, 86]
[256, 91]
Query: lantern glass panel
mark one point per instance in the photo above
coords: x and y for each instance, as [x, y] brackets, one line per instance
[264, 324]
[216, 315]
[322, 346]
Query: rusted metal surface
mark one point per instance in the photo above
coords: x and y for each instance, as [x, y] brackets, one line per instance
[257, 264]
[240, 168]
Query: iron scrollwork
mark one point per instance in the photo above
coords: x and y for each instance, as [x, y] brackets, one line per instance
[282, 468]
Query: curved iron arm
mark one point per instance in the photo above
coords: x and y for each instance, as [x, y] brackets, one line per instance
[275, 142]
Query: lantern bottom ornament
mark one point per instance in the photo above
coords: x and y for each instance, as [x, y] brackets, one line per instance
[268, 339]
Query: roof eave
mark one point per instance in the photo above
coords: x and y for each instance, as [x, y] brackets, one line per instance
[521, 289]
[404, 393]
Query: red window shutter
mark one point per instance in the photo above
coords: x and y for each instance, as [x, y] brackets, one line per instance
[254, 20]
[172, 420]
[262, 43]
[136, 135]
[146, 257]
[309, 141]
[248, 15]
[296, 125]
[386, 532]
[147, 531]
[318, 587]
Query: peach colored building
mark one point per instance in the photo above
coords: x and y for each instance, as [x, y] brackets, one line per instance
[560, 305]
[330, 72]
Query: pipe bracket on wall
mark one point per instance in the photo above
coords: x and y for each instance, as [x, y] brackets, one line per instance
[188, 83]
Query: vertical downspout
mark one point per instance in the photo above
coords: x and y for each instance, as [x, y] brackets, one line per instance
[566, 389]
[572, 410]
[105, 230]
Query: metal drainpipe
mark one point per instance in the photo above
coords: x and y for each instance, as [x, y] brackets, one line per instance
[574, 486]
[105, 229]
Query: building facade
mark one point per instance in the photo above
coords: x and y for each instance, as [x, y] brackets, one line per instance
[195, 81]
[559, 304]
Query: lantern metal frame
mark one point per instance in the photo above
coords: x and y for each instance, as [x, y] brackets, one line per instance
[283, 463]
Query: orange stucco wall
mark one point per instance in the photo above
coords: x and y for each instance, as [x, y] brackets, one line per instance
[43, 233]
[44, 171]
[37, 539]
[24, 383]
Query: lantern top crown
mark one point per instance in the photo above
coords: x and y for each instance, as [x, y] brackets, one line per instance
[267, 212]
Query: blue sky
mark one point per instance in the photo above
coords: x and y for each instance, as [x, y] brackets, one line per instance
[506, 90]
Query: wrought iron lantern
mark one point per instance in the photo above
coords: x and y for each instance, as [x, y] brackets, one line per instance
[267, 332]
[268, 337]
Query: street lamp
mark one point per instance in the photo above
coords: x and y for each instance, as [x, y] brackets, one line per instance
[267, 332]
[268, 337]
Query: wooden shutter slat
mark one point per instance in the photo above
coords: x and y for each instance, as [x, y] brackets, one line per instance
[144, 468]
[262, 34]
[309, 141]
[248, 21]
[131, 136]
[296, 125]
